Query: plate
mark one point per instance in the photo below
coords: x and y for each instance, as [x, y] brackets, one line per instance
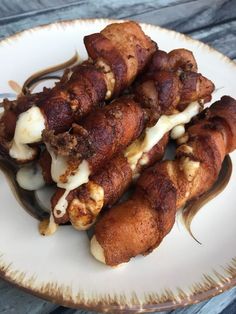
[60, 268]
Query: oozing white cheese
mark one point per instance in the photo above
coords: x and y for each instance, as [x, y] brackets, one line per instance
[80, 176]
[177, 132]
[96, 250]
[59, 167]
[29, 127]
[30, 177]
[48, 226]
[61, 206]
[83, 213]
[136, 151]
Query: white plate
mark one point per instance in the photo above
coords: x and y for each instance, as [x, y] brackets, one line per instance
[60, 268]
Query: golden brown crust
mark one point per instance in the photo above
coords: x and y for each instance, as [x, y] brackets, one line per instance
[99, 47]
[169, 89]
[135, 47]
[127, 51]
[114, 178]
[134, 227]
[124, 47]
[164, 91]
[194, 86]
[169, 185]
[177, 60]
[182, 59]
[105, 132]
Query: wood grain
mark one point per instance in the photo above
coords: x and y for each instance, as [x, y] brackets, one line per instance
[212, 21]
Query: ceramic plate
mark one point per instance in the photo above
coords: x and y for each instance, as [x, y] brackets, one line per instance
[60, 268]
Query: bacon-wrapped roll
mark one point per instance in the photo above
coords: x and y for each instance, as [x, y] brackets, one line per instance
[85, 203]
[104, 188]
[88, 85]
[79, 154]
[177, 60]
[138, 225]
[100, 135]
[123, 50]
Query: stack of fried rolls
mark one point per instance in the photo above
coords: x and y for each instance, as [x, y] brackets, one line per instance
[103, 135]
[138, 225]
[116, 56]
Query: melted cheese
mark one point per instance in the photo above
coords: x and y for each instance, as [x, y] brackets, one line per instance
[177, 132]
[30, 177]
[74, 180]
[48, 226]
[77, 178]
[83, 213]
[96, 250]
[108, 75]
[190, 168]
[61, 206]
[136, 152]
[29, 127]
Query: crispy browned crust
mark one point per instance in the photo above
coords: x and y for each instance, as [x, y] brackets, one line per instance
[124, 47]
[8, 125]
[182, 59]
[57, 113]
[127, 52]
[195, 86]
[112, 129]
[135, 226]
[114, 178]
[168, 88]
[135, 47]
[177, 60]
[86, 80]
[166, 187]
[164, 91]
[171, 82]
[105, 132]
[99, 47]
[160, 93]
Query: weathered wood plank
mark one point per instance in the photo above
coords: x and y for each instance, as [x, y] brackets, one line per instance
[191, 16]
[16, 9]
[169, 13]
[182, 16]
[221, 37]
[16, 301]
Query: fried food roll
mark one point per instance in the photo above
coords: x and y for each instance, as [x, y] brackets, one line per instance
[85, 202]
[103, 189]
[100, 135]
[138, 225]
[122, 49]
[114, 66]
[78, 155]
[177, 60]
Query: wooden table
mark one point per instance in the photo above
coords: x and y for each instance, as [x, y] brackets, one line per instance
[211, 21]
